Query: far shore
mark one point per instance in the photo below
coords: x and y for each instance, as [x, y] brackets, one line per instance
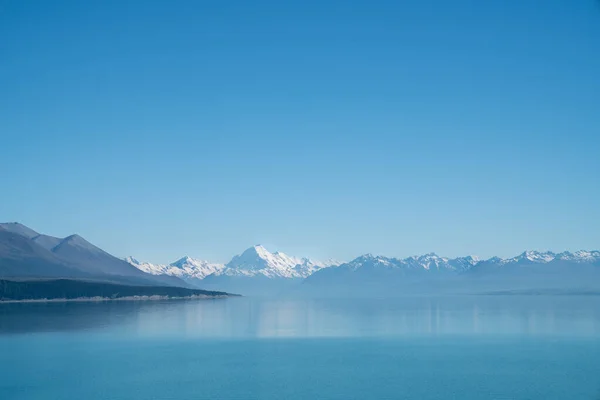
[125, 298]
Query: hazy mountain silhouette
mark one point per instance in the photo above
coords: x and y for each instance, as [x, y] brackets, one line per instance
[26, 254]
[22, 257]
[20, 229]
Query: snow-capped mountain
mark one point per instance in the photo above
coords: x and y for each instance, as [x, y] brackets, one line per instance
[255, 261]
[185, 268]
[531, 256]
[432, 274]
[257, 271]
[432, 262]
[25, 253]
[428, 262]
[581, 256]
[194, 268]
[258, 261]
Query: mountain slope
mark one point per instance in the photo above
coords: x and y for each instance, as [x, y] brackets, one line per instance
[19, 229]
[22, 257]
[25, 253]
[92, 259]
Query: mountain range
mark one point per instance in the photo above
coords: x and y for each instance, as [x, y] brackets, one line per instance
[432, 274]
[258, 271]
[27, 254]
[255, 261]
[255, 271]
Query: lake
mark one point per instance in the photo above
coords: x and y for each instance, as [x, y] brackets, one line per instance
[487, 347]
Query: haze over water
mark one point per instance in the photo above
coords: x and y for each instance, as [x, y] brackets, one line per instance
[486, 347]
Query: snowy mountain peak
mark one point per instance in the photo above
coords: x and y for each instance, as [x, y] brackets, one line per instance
[427, 262]
[253, 256]
[186, 268]
[371, 261]
[474, 259]
[430, 255]
[259, 249]
[186, 260]
[257, 260]
[589, 255]
[254, 261]
[373, 258]
[579, 256]
[536, 256]
[544, 257]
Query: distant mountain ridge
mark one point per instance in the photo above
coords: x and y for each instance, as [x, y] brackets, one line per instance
[548, 256]
[255, 271]
[185, 268]
[428, 262]
[24, 253]
[258, 271]
[255, 261]
[432, 274]
[258, 261]
[433, 263]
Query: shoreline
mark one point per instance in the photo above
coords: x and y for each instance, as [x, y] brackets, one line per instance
[125, 298]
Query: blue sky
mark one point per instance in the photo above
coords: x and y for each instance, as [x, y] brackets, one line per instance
[327, 129]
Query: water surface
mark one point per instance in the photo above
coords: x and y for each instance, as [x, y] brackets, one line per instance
[495, 347]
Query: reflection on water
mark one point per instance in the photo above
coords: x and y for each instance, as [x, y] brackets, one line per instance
[254, 318]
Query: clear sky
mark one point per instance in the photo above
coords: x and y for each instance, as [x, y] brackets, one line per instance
[319, 128]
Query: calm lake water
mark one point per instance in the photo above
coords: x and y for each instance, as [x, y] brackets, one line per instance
[415, 348]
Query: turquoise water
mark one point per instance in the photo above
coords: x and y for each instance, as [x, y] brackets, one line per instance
[457, 348]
